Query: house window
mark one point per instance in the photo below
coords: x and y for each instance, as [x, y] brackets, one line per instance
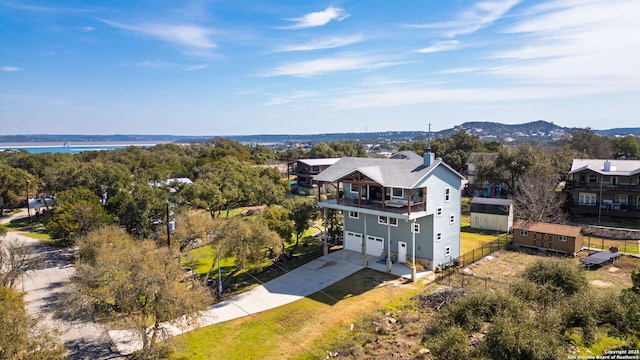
[447, 194]
[613, 181]
[583, 178]
[447, 251]
[354, 188]
[622, 199]
[397, 192]
[438, 236]
[452, 219]
[593, 179]
[562, 238]
[383, 220]
[416, 228]
[354, 215]
[524, 233]
[439, 211]
[587, 199]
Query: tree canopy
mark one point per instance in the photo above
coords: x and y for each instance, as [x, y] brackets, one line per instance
[131, 284]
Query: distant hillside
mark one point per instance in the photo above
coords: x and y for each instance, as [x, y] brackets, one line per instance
[533, 131]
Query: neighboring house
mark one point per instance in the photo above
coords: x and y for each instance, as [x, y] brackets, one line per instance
[405, 208]
[605, 187]
[475, 159]
[304, 170]
[476, 188]
[491, 214]
[561, 238]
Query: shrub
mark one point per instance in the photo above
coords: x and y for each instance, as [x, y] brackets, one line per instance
[561, 277]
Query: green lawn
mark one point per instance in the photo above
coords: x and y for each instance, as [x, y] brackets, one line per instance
[627, 246]
[471, 239]
[34, 229]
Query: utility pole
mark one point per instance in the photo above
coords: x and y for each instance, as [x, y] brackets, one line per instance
[28, 209]
[168, 228]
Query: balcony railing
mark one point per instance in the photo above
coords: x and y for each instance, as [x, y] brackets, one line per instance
[605, 187]
[398, 206]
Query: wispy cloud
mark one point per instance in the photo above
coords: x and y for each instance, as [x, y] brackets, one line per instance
[481, 15]
[189, 36]
[405, 96]
[460, 70]
[44, 9]
[288, 98]
[583, 42]
[318, 18]
[161, 64]
[10, 68]
[324, 43]
[439, 46]
[332, 64]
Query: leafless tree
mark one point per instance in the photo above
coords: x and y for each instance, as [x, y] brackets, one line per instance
[536, 198]
[16, 258]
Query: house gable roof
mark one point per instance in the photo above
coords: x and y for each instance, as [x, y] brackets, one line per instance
[317, 162]
[606, 167]
[555, 229]
[475, 157]
[404, 171]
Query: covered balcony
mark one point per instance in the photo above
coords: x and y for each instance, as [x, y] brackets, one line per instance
[373, 196]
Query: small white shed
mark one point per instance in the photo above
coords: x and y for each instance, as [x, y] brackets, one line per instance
[491, 214]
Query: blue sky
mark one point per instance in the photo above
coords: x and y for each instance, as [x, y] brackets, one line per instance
[221, 67]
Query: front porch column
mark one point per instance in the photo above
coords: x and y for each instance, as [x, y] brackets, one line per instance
[389, 263]
[325, 248]
[365, 259]
[413, 251]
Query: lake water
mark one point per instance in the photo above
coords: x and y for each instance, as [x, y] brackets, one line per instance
[73, 149]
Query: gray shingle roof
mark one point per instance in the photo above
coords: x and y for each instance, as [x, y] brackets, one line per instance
[404, 172]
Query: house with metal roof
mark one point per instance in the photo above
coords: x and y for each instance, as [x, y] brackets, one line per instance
[402, 209]
[301, 172]
[605, 187]
[544, 236]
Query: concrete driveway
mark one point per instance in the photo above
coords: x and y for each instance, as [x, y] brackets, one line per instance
[294, 285]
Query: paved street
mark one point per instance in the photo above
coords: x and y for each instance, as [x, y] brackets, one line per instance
[42, 287]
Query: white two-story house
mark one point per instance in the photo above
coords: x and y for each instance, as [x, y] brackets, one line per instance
[403, 209]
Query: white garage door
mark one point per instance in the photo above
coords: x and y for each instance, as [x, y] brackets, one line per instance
[375, 245]
[353, 241]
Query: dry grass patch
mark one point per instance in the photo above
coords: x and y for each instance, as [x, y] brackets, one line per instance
[298, 330]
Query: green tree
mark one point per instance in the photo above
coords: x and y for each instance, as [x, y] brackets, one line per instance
[627, 147]
[131, 284]
[277, 219]
[140, 211]
[22, 337]
[301, 211]
[246, 241]
[589, 143]
[333, 226]
[13, 184]
[193, 227]
[76, 212]
[321, 150]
